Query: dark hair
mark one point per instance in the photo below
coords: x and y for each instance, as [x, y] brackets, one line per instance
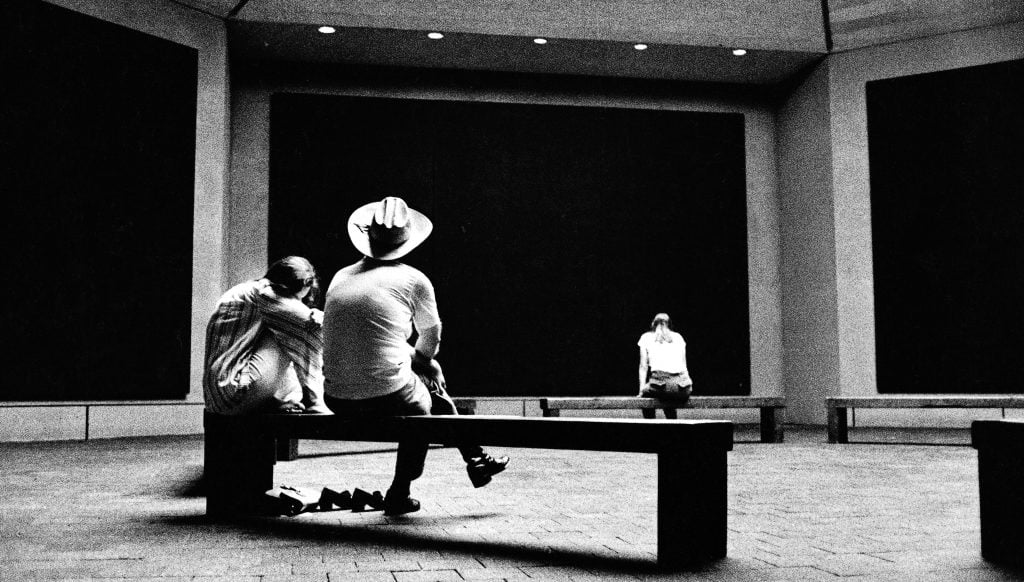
[290, 275]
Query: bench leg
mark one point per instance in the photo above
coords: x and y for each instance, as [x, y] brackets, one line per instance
[287, 449]
[771, 425]
[692, 507]
[238, 466]
[1000, 473]
[838, 432]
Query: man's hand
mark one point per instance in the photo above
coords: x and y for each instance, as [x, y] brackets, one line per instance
[422, 364]
[427, 367]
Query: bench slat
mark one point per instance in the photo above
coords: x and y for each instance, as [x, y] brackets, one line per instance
[288, 450]
[928, 401]
[837, 406]
[512, 431]
[772, 407]
[1003, 434]
[631, 402]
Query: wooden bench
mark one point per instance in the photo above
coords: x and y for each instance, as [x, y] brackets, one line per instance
[288, 449]
[692, 479]
[771, 407]
[838, 430]
[1000, 445]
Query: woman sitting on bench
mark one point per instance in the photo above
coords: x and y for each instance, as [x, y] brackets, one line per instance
[264, 345]
[663, 372]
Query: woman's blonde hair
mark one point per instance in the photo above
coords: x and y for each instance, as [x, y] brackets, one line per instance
[661, 325]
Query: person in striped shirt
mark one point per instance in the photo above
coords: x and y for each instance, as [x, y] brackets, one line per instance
[264, 344]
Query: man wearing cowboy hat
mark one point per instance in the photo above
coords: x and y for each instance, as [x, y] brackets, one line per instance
[372, 308]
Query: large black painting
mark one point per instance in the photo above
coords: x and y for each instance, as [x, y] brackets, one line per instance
[947, 209]
[97, 148]
[559, 231]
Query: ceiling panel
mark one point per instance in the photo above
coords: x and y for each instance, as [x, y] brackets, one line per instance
[688, 38]
[392, 47]
[860, 23]
[786, 25]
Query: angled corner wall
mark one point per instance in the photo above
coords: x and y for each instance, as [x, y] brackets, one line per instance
[825, 210]
[810, 328]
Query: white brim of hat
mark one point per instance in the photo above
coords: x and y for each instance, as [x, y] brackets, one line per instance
[358, 223]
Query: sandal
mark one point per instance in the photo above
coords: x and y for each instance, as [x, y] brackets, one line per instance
[290, 501]
[361, 499]
[329, 499]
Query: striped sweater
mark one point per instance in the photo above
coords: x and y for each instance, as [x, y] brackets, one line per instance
[243, 314]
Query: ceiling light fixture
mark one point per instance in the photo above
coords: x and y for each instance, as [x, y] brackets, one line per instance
[640, 46]
[540, 40]
[326, 30]
[435, 35]
[739, 52]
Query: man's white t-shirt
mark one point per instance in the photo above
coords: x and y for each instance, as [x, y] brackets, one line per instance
[667, 357]
[369, 314]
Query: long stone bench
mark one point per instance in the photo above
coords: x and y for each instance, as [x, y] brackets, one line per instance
[240, 454]
[1000, 445]
[837, 407]
[772, 407]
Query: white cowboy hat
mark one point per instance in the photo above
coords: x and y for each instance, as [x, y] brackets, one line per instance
[388, 229]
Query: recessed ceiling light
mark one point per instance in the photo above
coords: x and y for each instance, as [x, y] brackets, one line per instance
[327, 29]
[640, 46]
[739, 52]
[435, 35]
[540, 40]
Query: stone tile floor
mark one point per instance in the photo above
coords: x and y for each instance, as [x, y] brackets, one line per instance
[132, 509]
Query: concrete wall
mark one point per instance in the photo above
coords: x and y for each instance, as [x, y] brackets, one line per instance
[207, 35]
[250, 181]
[826, 218]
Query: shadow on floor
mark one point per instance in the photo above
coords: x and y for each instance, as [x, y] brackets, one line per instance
[186, 481]
[295, 529]
[914, 436]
